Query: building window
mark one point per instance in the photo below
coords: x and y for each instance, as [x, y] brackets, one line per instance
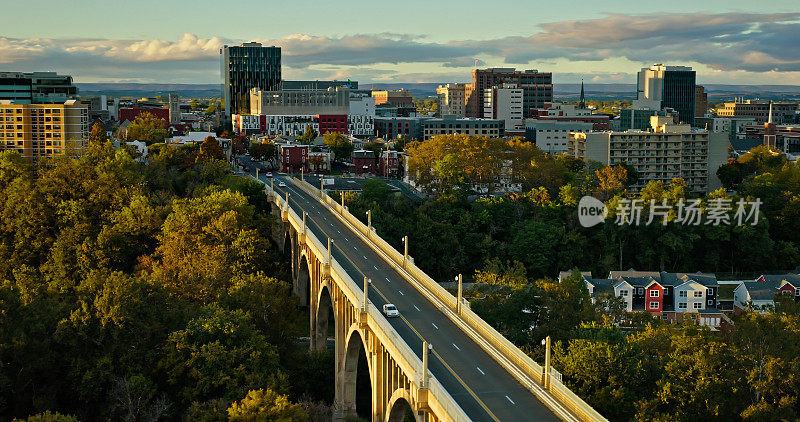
[654, 293]
[697, 305]
[710, 291]
[653, 305]
[710, 303]
[682, 305]
[624, 293]
[698, 294]
[640, 291]
[682, 293]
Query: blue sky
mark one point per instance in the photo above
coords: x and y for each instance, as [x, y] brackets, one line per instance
[410, 41]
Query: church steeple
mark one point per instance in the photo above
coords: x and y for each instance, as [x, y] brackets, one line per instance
[582, 103]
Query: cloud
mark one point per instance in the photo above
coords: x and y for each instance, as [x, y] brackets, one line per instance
[730, 42]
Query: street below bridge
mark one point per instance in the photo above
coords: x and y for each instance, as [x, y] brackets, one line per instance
[477, 382]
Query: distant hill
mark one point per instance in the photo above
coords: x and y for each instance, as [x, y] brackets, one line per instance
[422, 90]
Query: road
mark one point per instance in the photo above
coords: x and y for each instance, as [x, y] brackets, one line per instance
[485, 390]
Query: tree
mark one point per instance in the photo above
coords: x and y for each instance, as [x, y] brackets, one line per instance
[341, 146]
[98, 135]
[308, 135]
[211, 109]
[210, 150]
[146, 127]
[239, 144]
[219, 354]
[611, 181]
[266, 405]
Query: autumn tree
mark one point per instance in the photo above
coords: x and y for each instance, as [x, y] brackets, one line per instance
[148, 128]
[210, 150]
[341, 147]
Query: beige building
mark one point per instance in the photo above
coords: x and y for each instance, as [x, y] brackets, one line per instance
[452, 99]
[44, 130]
[331, 101]
[400, 97]
[759, 111]
[451, 125]
[665, 152]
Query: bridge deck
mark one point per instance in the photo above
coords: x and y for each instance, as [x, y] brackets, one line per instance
[483, 388]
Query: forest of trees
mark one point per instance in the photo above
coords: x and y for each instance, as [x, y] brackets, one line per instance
[146, 291]
[513, 246]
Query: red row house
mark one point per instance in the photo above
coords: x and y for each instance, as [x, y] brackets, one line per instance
[389, 163]
[294, 158]
[364, 162]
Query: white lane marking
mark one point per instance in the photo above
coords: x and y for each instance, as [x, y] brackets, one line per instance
[365, 257]
[401, 292]
[454, 345]
[509, 399]
[337, 231]
[479, 370]
[387, 279]
[415, 307]
[434, 326]
[374, 266]
[355, 248]
[324, 217]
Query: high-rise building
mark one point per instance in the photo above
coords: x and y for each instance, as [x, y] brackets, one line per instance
[668, 87]
[537, 88]
[668, 151]
[452, 99]
[504, 102]
[245, 67]
[37, 87]
[300, 102]
[700, 101]
[44, 130]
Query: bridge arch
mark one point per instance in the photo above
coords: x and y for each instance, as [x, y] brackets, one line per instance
[355, 348]
[399, 407]
[322, 314]
[304, 280]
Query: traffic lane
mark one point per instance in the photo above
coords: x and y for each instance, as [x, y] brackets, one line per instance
[502, 393]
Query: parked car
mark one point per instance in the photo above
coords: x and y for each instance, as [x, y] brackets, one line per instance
[390, 311]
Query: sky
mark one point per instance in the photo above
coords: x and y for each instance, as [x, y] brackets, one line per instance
[374, 41]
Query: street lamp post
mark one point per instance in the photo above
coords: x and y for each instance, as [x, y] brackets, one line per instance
[405, 250]
[366, 293]
[546, 371]
[426, 348]
[369, 221]
[458, 303]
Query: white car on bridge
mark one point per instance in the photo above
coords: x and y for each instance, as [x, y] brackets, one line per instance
[390, 311]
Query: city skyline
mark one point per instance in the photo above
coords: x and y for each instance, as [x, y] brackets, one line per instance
[739, 43]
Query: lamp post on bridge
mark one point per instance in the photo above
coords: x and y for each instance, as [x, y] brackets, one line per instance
[366, 294]
[256, 173]
[546, 371]
[426, 347]
[369, 221]
[330, 242]
[458, 299]
[405, 250]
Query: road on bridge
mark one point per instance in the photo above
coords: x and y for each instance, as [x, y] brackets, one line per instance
[478, 383]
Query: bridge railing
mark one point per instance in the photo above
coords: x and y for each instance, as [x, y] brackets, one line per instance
[520, 365]
[439, 400]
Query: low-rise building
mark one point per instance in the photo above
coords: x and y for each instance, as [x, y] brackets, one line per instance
[452, 125]
[760, 294]
[331, 101]
[668, 151]
[319, 162]
[759, 110]
[552, 136]
[410, 128]
[294, 158]
[364, 162]
[390, 163]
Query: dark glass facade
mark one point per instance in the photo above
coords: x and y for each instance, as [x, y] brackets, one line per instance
[246, 67]
[37, 87]
[678, 93]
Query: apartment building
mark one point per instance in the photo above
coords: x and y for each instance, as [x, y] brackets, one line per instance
[672, 87]
[452, 99]
[44, 130]
[452, 125]
[537, 88]
[504, 102]
[552, 136]
[668, 151]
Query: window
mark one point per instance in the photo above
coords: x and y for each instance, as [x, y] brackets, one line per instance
[682, 305]
[682, 293]
[710, 302]
[624, 293]
[710, 291]
[653, 305]
[640, 291]
[654, 293]
[698, 294]
[697, 305]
